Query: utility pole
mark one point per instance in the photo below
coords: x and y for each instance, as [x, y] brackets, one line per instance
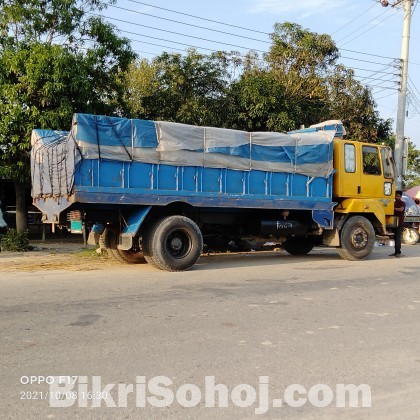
[402, 94]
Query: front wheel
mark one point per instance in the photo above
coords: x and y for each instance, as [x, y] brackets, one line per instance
[174, 243]
[357, 239]
[410, 236]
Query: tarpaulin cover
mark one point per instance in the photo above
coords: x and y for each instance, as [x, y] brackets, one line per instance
[308, 152]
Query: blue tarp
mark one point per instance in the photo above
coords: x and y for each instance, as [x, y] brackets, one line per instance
[307, 151]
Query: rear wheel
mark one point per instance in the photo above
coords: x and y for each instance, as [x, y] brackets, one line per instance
[357, 239]
[247, 245]
[410, 236]
[298, 246]
[174, 243]
[109, 241]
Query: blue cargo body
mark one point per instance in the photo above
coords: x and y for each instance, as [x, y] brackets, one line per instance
[110, 182]
[117, 161]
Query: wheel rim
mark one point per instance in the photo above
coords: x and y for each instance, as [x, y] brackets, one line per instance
[359, 239]
[178, 244]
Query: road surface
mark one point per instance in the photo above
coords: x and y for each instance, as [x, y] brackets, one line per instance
[241, 336]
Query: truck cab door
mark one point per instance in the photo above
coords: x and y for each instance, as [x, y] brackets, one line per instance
[347, 178]
[371, 176]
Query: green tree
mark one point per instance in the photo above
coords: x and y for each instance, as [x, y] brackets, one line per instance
[301, 61]
[187, 89]
[141, 84]
[352, 102]
[412, 177]
[56, 58]
[257, 102]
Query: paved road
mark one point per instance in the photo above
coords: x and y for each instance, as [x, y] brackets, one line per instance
[241, 330]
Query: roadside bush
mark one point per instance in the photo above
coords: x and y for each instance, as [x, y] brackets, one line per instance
[14, 241]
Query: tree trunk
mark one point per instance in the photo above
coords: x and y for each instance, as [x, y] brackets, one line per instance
[21, 219]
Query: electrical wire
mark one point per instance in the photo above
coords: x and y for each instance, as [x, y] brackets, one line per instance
[413, 85]
[174, 42]
[365, 53]
[176, 33]
[351, 21]
[215, 30]
[374, 73]
[187, 24]
[369, 29]
[386, 96]
[201, 18]
[223, 32]
[364, 61]
[370, 77]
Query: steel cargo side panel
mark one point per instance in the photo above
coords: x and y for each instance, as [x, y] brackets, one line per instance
[235, 181]
[111, 174]
[190, 178]
[143, 183]
[143, 178]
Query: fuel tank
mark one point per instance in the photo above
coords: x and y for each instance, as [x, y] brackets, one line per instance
[282, 228]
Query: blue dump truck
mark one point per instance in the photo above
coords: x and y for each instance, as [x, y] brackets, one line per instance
[158, 191]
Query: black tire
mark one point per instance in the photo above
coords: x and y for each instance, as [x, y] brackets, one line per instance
[410, 236]
[298, 246]
[357, 239]
[108, 240]
[174, 243]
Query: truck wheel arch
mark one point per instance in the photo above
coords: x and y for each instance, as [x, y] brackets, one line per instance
[108, 241]
[173, 243]
[357, 238]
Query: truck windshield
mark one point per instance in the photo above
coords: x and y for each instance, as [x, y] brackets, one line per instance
[371, 162]
[387, 162]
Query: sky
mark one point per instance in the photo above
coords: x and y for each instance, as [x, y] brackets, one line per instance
[368, 35]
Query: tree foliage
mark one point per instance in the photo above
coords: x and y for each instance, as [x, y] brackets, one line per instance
[412, 177]
[257, 102]
[54, 61]
[186, 89]
[56, 58]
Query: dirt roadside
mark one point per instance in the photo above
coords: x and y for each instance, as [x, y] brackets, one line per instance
[55, 255]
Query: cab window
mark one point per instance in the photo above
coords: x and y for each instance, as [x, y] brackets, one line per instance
[349, 158]
[387, 162]
[371, 161]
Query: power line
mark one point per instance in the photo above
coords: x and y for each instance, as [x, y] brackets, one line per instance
[375, 79]
[351, 21]
[364, 61]
[165, 40]
[365, 53]
[369, 29]
[174, 33]
[371, 71]
[413, 85]
[199, 17]
[370, 77]
[386, 96]
[219, 22]
[187, 24]
[382, 87]
[375, 72]
[362, 27]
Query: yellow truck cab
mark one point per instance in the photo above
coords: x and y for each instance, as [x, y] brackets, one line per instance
[364, 189]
